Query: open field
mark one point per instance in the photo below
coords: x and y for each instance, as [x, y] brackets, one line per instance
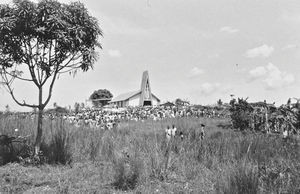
[136, 158]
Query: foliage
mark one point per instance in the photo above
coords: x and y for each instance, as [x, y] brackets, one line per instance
[76, 107]
[240, 113]
[180, 102]
[16, 149]
[57, 109]
[261, 116]
[100, 97]
[47, 38]
[219, 102]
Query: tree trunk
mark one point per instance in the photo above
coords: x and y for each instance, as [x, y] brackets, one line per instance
[39, 134]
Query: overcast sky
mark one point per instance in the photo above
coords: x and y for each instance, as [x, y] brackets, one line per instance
[199, 50]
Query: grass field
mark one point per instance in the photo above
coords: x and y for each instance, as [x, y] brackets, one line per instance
[135, 158]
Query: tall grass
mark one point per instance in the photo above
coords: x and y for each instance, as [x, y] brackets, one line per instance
[138, 155]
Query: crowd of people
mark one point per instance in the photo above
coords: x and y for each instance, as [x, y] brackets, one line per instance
[109, 117]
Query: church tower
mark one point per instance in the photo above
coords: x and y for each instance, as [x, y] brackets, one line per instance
[141, 97]
[146, 95]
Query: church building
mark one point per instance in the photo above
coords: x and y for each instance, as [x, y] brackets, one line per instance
[142, 97]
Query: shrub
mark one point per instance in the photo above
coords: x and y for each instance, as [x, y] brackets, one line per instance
[241, 114]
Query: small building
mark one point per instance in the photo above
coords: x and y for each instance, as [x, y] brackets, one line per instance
[142, 97]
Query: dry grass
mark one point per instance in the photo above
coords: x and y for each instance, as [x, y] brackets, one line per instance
[136, 158]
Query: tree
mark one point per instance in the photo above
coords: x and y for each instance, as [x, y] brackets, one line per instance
[40, 41]
[101, 97]
[82, 105]
[219, 102]
[76, 107]
[241, 112]
[180, 102]
[7, 108]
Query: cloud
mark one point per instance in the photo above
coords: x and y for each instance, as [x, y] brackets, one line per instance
[291, 17]
[114, 53]
[261, 51]
[271, 76]
[229, 29]
[289, 46]
[194, 72]
[213, 56]
[208, 88]
[257, 72]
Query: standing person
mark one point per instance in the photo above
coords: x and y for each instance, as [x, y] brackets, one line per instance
[181, 135]
[173, 131]
[202, 132]
[285, 134]
[168, 132]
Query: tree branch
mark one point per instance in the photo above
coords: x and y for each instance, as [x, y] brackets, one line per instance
[50, 88]
[29, 61]
[10, 90]
[15, 76]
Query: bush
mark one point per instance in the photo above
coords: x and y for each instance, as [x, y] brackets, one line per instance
[241, 114]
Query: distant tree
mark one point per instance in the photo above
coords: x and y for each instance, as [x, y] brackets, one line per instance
[76, 107]
[100, 97]
[241, 112]
[180, 102]
[54, 104]
[58, 109]
[220, 103]
[7, 108]
[40, 41]
[82, 106]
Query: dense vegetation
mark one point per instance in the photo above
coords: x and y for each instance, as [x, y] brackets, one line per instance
[136, 157]
[265, 117]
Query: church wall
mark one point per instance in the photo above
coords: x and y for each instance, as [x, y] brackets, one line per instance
[126, 103]
[134, 101]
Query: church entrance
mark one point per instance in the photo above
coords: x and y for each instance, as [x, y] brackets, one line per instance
[147, 103]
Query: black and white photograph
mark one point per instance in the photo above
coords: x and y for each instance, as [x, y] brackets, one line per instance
[150, 96]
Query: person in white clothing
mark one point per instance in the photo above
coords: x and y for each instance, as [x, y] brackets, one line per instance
[285, 134]
[202, 133]
[173, 131]
[168, 133]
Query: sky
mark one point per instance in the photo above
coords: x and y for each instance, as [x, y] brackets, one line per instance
[197, 50]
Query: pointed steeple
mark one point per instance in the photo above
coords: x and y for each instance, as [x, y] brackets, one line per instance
[146, 94]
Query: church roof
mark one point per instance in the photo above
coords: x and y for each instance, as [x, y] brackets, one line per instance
[125, 96]
[155, 97]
